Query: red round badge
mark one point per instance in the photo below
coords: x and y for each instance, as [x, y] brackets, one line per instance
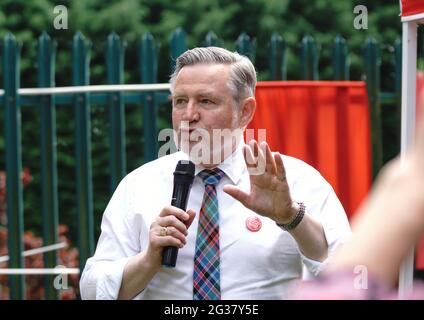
[253, 224]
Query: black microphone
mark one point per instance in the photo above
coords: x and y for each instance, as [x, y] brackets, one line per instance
[183, 179]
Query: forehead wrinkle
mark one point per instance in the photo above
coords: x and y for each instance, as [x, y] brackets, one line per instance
[198, 93]
[205, 83]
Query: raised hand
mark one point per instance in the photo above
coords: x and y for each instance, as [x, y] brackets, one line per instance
[269, 193]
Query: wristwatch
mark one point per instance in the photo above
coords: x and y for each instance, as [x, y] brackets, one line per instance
[296, 220]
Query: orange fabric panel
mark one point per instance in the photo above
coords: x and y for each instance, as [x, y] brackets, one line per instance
[324, 123]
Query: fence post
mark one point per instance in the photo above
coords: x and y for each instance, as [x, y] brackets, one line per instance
[14, 198]
[246, 47]
[115, 70]
[309, 59]
[80, 76]
[340, 59]
[372, 62]
[148, 70]
[178, 46]
[45, 78]
[211, 40]
[277, 58]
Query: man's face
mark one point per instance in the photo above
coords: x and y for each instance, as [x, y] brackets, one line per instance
[203, 105]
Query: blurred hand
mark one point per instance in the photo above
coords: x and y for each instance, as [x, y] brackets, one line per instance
[397, 198]
[391, 219]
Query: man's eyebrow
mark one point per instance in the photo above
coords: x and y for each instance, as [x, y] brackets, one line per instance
[199, 94]
[178, 95]
[206, 94]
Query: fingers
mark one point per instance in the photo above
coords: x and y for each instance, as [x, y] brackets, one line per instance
[258, 152]
[167, 236]
[174, 211]
[259, 158]
[170, 227]
[281, 171]
[170, 236]
[172, 221]
[270, 163]
[172, 216]
[248, 156]
[191, 214]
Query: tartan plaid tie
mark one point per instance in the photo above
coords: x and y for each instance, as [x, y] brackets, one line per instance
[206, 277]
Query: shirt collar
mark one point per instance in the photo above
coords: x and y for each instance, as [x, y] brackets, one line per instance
[233, 166]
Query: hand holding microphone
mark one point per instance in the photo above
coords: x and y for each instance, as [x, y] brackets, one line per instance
[183, 179]
[168, 232]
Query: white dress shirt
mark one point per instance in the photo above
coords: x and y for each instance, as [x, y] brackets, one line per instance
[254, 265]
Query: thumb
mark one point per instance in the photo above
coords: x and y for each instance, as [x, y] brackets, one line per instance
[237, 194]
[191, 213]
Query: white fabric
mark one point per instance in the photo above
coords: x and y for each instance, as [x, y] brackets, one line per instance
[254, 265]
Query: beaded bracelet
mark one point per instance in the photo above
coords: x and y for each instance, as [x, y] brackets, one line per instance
[299, 216]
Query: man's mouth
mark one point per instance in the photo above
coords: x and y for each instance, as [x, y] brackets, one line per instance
[187, 130]
[193, 135]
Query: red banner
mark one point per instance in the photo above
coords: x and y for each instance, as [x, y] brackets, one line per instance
[412, 7]
[324, 123]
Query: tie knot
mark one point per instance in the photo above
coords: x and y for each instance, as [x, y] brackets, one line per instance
[211, 177]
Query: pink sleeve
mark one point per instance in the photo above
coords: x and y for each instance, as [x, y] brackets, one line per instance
[348, 286]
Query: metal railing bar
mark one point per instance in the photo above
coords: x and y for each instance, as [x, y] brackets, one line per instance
[26, 271]
[95, 98]
[94, 88]
[32, 252]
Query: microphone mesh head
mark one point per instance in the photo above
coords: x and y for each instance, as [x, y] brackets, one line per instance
[185, 167]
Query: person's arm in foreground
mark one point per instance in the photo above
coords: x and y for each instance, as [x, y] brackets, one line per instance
[390, 221]
[270, 197]
[385, 228]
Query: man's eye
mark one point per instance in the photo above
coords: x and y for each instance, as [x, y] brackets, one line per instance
[206, 101]
[179, 101]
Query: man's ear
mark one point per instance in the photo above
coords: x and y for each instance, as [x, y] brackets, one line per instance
[247, 111]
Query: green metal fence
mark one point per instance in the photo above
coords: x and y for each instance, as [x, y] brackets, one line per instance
[115, 102]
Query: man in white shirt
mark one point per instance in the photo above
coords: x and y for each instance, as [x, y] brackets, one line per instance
[273, 214]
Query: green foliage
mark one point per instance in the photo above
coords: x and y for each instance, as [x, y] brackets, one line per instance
[130, 19]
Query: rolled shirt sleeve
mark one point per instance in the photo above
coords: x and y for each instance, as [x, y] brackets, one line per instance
[118, 242]
[101, 280]
[323, 204]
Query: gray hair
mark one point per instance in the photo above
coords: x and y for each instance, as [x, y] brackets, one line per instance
[242, 72]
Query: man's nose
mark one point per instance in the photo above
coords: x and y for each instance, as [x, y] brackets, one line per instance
[191, 112]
